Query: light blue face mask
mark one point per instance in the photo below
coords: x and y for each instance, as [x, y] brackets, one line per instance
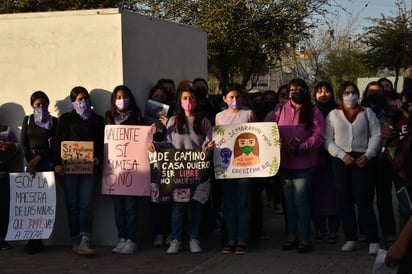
[351, 100]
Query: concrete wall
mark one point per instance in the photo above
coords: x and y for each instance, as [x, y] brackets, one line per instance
[363, 82]
[98, 49]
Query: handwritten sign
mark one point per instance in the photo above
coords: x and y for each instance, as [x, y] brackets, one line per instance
[180, 175]
[32, 206]
[77, 157]
[246, 150]
[126, 169]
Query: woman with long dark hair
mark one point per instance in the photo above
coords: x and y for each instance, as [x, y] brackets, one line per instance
[188, 129]
[301, 129]
[124, 111]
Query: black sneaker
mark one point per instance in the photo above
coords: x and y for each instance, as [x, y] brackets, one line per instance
[302, 248]
[290, 245]
[333, 238]
[4, 245]
[320, 237]
[34, 246]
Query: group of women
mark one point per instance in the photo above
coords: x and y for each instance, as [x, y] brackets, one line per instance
[339, 141]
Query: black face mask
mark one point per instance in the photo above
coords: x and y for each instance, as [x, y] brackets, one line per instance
[265, 107]
[299, 97]
[376, 98]
[201, 93]
[392, 95]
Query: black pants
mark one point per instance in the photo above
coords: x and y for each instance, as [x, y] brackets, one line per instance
[4, 204]
[384, 179]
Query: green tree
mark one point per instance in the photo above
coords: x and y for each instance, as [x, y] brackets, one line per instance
[243, 36]
[340, 59]
[13, 6]
[389, 42]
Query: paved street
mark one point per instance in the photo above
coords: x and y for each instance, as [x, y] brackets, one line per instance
[268, 258]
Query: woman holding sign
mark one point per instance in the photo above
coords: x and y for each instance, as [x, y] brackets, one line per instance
[37, 133]
[237, 193]
[124, 111]
[79, 125]
[301, 129]
[188, 129]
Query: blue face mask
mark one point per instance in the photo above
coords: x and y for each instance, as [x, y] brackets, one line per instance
[83, 108]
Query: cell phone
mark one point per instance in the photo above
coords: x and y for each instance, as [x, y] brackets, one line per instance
[404, 200]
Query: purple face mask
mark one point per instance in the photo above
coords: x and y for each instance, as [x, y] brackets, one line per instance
[42, 117]
[83, 108]
[234, 104]
[122, 104]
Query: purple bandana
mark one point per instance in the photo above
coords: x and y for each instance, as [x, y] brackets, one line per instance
[121, 116]
[42, 117]
[83, 108]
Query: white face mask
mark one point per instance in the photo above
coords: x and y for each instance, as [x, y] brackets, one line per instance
[351, 100]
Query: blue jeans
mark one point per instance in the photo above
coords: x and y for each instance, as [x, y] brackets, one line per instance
[79, 194]
[296, 184]
[355, 187]
[161, 217]
[237, 204]
[178, 214]
[125, 213]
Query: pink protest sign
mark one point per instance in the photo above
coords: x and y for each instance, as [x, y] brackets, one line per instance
[126, 169]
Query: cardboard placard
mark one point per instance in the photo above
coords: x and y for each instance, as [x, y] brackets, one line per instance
[77, 157]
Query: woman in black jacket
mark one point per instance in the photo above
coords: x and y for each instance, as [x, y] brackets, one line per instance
[37, 134]
[81, 124]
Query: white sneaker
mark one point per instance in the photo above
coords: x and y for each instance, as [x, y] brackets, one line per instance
[349, 246]
[119, 246]
[158, 240]
[373, 248]
[168, 239]
[194, 246]
[84, 247]
[129, 248]
[174, 247]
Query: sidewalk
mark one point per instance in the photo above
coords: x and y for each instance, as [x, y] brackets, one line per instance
[268, 258]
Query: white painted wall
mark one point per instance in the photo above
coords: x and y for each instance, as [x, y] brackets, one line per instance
[98, 49]
[363, 82]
